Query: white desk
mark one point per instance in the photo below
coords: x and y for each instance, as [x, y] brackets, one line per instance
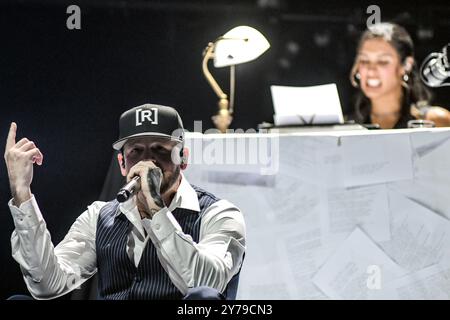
[303, 195]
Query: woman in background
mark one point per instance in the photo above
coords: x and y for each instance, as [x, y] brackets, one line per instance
[391, 92]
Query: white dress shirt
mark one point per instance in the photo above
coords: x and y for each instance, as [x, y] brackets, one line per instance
[50, 272]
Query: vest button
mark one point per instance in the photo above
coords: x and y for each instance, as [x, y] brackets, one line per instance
[157, 226]
[137, 279]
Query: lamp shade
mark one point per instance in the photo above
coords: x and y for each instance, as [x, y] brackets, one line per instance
[239, 45]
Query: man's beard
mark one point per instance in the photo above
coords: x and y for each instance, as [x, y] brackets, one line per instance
[167, 184]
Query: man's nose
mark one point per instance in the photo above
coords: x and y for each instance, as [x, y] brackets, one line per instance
[148, 155]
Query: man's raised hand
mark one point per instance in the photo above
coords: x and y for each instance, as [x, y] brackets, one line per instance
[19, 158]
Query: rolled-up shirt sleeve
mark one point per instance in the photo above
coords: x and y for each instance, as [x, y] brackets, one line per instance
[48, 271]
[211, 262]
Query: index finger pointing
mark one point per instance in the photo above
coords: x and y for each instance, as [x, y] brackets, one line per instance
[11, 140]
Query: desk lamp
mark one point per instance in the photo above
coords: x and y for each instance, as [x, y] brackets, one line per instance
[239, 45]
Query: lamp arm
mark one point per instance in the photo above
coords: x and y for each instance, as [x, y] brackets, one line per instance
[223, 118]
[213, 83]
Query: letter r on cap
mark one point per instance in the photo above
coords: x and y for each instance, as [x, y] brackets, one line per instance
[146, 115]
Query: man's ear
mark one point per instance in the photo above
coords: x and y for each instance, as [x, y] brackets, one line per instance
[184, 158]
[121, 160]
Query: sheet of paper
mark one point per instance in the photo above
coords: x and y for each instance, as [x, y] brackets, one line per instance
[284, 241]
[432, 283]
[242, 153]
[349, 272]
[363, 207]
[264, 274]
[249, 197]
[431, 161]
[283, 254]
[425, 143]
[306, 105]
[292, 201]
[419, 237]
[427, 192]
[305, 252]
[431, 158]
[371, 159]
[317, 160]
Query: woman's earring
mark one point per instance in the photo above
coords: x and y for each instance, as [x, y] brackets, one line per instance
[405, 77]
[356, 79]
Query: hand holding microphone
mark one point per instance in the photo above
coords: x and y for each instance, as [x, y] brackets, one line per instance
[435, 69]
[144, 180]
[128, 189]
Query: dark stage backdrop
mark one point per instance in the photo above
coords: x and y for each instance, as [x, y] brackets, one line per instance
[66, 89]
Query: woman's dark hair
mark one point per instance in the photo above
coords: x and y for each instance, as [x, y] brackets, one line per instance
[414, 92]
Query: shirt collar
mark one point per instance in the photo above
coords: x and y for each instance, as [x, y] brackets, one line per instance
[184, 198]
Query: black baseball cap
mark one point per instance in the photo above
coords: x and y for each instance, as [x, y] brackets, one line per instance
[149, 120]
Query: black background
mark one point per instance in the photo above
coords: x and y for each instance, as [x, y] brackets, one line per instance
[67, 88]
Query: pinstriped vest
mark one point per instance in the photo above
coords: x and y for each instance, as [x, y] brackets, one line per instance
[118, 277]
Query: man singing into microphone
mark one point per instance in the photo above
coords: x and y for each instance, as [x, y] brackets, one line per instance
[169, 240]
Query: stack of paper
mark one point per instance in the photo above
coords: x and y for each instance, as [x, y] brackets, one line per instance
[347, 215]
[306, 105]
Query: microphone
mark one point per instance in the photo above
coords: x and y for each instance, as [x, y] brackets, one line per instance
[128, 190]
[436, 68]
